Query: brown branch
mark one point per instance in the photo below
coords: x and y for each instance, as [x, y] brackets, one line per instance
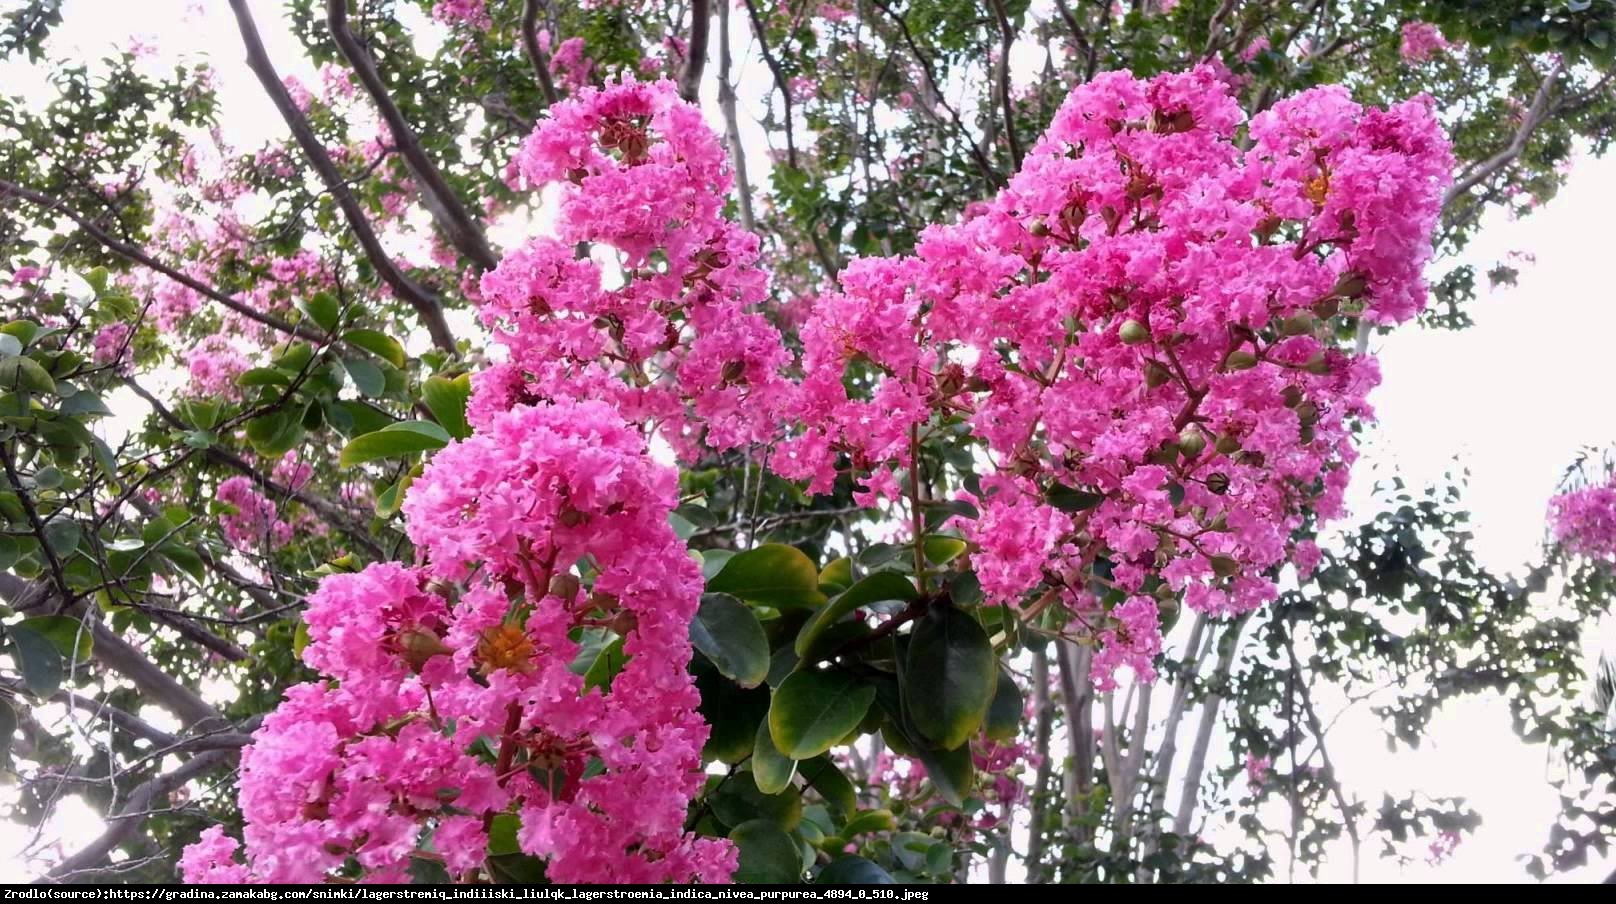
[779, 77]
[1007, 38]
[977, 156]
[134, 812]
[427, 306]
[132, 253]
[535, 53]
[732, 124]
[701, 15]
[1530, 120]
[451, 216]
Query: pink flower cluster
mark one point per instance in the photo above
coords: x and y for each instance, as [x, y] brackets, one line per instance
[472, 13]
[1584, 521]
[253, 524]
[1143, 320]
[452, 707]
[681, 344]
[1422, 41]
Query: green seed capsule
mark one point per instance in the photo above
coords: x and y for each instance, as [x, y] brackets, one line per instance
[1133, 332]
[1191, 441]
[1239, 360]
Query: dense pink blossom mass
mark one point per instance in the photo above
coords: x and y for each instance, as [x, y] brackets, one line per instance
[1144, 320]
[1140, 332]
[1584, 521]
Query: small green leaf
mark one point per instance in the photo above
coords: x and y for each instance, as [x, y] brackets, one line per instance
[869, 821]
[729, 635]
[403, 438]
[264, 376]
[69, 635]
[62, 535]
[878, 587]
[38, 659]
[367, 377]
[1069, 500]
[379, 344]
[773, 575]
[837, 576]
[813, 711]
[942, 550]
[606, 666]
[852, 870]
[25, 374]
[822, 775]
[324, 309]
[1004, 713]
[768, 856]
[771, 769]
[446, 399]
[949, 676]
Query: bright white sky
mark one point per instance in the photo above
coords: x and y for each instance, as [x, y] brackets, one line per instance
[1512, 399]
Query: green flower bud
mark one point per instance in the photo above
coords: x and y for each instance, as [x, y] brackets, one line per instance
[1133, 332]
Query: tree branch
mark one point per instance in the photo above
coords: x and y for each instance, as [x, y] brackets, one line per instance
[701, 15]
[451, 216]
[1530, 120]
[427, 306]
[535, 53]
[135, 811]
[1007, 38]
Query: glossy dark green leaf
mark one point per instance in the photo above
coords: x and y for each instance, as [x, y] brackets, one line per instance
[38, 659]
[446, 399]
[828, 781]
[773, 575]
[852, 870]
[812, 711]
[771, 769]
[729, 635]
[878, 587]
[367, 377]
[379, 344]
[1004, 713]
[767, 855]
[949, 676]
[324, 309]
[394, 440]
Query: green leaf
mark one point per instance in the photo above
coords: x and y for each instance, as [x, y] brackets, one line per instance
[85, 404]
[62, 535]
[768, 856]
[69, 636]
[869, 821]
[951, 772]
[738, 800]
[942, 550]
[274, 434]
[606, 666]
[25, 374]
[38, 659]
[446, 399]
[732, 713]
[878, 587]
[502, 834]
[771, 769]
[822, 775]
[367, 377]
[1069, 500]
[324, 309]
[853, 871]
[729, 635]
[10, 346]
[773, 575]
[379, 344]
[1004, 713]
[837, 576]
[264, 376]
[949, 676]
[403, 438]
[812, 711]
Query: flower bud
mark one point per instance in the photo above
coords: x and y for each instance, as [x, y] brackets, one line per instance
[571, 517]
[418, 645]
[1351, 285]
[1297, 325]
[1217, 482]
[1292, 396]
[564, 586]
[1327, 308]
[1133, 332]
[1227, 445]
[1191, 441]
[1156, 375]
[1224, 566]
[1318, 365]
[1038, 228]
[733, 372]
[1307, 413]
